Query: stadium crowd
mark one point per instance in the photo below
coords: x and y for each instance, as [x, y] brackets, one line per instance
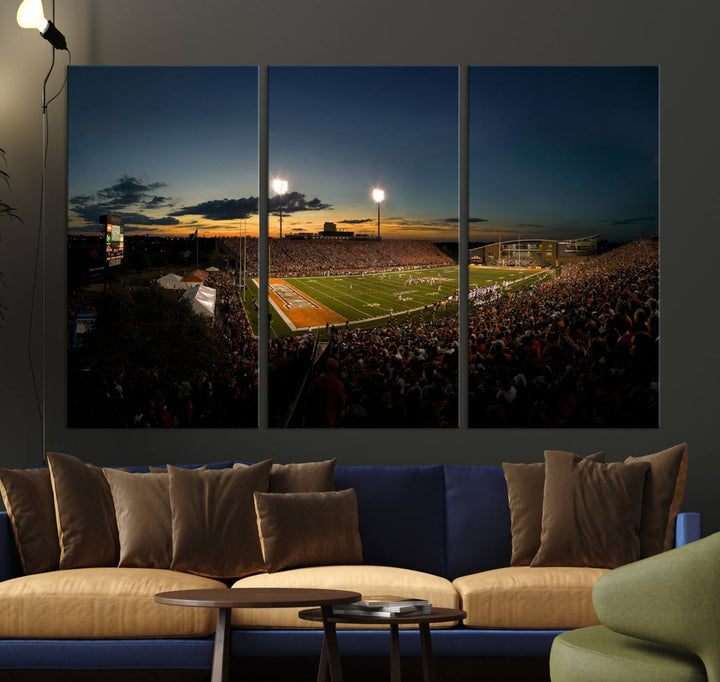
[221, 396]
[578, 350]
[300, 257]
[403, 374]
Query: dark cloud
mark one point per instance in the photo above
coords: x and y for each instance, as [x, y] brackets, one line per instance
[406, 225]
[222, 209]
[89, 229]
[234, 209]
[630, 221]
[140, 219]
[125, 196]
[90, 213]
[533, 226]
[127, 191]
[470, 220]
[158, 202]
[293, 202]
[357, 221]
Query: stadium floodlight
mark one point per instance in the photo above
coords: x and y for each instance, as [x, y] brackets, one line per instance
[281, 188]
[378, 195]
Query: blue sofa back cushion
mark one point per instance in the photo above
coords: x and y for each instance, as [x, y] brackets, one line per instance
[143, 469]
[402, 515]
[478, 520]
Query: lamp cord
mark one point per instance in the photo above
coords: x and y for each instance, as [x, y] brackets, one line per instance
[40, 261]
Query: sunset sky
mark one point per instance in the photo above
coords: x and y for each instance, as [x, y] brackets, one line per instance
[555, 151]
[169, 148]
[338, 132]
[561, 152]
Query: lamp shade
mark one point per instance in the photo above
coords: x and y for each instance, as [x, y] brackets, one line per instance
[30, 14]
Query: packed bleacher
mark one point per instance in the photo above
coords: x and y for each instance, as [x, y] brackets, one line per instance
[403, 374]
[224, 395]
[578, 350]
[298, 257]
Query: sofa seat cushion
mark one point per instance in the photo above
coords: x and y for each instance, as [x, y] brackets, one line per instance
[529, 598]
[598, 654]
[370, 581]
[99, 603]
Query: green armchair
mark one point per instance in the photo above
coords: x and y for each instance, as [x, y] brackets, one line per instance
[661, 622]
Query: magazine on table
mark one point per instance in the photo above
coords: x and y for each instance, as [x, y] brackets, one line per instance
[383, 607]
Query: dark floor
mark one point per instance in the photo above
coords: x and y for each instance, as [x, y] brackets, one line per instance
[305, 670]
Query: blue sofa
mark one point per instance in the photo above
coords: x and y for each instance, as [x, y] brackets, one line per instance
[448, 521]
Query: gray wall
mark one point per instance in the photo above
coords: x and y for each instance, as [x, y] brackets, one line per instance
[681, 39]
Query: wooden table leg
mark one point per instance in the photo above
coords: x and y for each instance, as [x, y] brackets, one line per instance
[331, 642]
[221, 652]
[427, 654]
[395, 668]
[323, 667]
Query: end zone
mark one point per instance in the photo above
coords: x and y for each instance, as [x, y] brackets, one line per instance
[298, 310]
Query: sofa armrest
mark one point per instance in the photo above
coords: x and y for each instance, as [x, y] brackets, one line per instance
[672, 598]
[10, 566]
[688, 528]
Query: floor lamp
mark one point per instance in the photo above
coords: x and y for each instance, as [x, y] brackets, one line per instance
[30, 14]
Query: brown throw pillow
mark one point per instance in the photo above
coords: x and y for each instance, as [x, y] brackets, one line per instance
[28, 498]
[308, 529]
[84, 512]
[591, 512]
[300, 477]
[525, 484]
[142, 508]
[663, 498]
[214, 532]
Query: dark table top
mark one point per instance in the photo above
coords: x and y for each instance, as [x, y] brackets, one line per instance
[256, 597]
[436, 615]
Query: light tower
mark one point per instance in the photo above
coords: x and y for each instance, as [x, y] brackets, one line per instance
[281, 188]
[378, 195]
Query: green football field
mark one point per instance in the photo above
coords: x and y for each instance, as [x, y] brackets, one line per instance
[368, 300]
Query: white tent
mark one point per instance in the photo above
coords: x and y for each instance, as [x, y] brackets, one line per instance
[173, 281]
[202, 299]
[212, 269]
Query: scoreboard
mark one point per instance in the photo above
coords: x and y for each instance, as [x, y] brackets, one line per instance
[114, 239]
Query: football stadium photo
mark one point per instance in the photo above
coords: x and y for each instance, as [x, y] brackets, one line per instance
[363, 288]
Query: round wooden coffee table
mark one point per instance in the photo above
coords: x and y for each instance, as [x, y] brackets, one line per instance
[256, 598]
[330, 650]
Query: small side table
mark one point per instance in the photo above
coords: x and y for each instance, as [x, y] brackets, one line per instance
[330, 650]
[257, 598]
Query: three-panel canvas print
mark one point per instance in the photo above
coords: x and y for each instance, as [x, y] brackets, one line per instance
[363, 288]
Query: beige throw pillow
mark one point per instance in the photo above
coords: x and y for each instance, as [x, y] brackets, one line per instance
[214, 532]
[308, 529]
[300, 477]
[663, 498]
[144, 519]
[85, 515]
[526, 484]
[28, 498]
[591, 512]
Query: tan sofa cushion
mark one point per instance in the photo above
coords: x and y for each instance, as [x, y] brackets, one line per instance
[97, 603]
[368, 580]
[529, 598]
